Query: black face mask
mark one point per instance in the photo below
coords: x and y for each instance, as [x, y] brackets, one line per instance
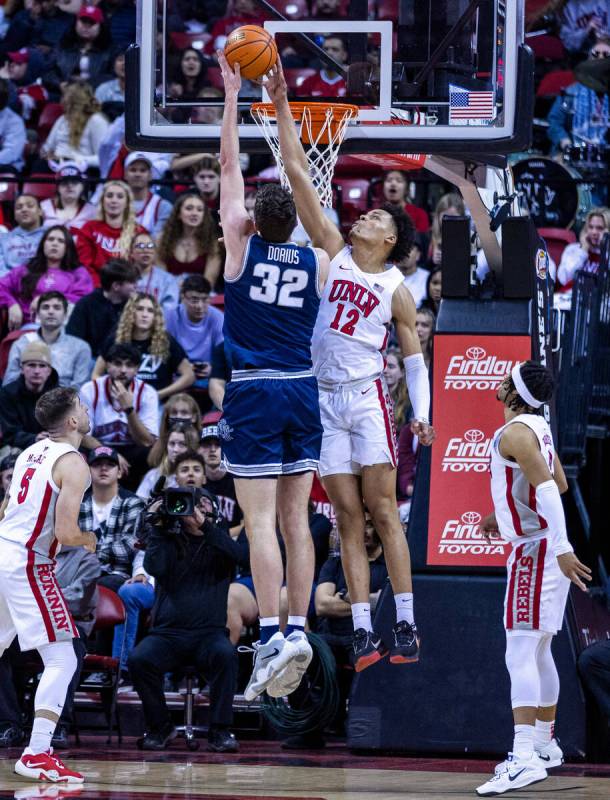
[182, 421]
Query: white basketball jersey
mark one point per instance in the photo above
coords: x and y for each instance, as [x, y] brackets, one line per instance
[513, 495]
[350, 333]
[29, 518]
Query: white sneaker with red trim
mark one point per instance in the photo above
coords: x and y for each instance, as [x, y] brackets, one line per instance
[46, 767]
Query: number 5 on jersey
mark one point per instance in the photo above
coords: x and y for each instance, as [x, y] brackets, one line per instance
[25, 484]
[279, 287]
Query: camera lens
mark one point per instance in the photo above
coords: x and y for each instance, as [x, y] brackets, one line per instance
[178, 505]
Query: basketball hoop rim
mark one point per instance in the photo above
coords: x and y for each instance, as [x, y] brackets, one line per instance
[318, 114]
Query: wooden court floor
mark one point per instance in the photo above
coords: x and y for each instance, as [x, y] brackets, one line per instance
[263, 770]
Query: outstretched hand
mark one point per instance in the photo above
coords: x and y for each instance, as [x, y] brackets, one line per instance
[230, 75]
[275, 83]
[574, 569]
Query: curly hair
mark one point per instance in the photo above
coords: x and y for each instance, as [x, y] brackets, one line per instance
[159, 344]
[157, 450]
[79, 104]
[128, 228]
[37, 265]
[275, 214]
[191, 439]
[405, 233]
[538, 380]
[206, 234]
[399, 393]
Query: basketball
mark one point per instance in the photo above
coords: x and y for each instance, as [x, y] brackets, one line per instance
[253, 48]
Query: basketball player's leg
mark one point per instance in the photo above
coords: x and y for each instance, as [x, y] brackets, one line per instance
[293, 493]
[545, 743]
[379, 490]
[257, 500]
[36, 761]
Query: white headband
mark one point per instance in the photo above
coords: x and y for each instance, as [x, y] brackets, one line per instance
[522, 389]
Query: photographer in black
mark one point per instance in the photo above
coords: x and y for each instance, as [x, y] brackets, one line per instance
[189, 552]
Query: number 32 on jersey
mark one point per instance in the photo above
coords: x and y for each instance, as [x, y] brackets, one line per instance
[279, 287]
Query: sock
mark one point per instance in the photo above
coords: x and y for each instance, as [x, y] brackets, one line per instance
[295, 624]
[404, 607]
[523, 744]
[361, 615]
[42, 733]
[269, 626]
[543, 732]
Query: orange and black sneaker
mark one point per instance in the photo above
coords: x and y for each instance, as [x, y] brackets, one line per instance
[367, 649]
[406, 644]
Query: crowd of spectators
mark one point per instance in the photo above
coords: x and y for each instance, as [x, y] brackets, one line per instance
[113, 283]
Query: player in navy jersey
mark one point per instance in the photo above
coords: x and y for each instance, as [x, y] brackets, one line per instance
[271, 428]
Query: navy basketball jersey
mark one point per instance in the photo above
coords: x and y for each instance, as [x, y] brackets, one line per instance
[271, 307]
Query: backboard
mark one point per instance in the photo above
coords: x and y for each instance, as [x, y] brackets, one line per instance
[428, 76]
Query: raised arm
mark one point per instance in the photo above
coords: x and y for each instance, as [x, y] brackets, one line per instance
[236, 224]
[71, 474]
[520, 444]
[320, 229]
[418, 384]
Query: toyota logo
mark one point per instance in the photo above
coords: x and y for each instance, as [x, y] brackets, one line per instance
[474, 435]
[471, 518]
[475, 353]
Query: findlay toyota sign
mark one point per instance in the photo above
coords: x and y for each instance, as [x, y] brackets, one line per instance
[468, 370]
[475, 369]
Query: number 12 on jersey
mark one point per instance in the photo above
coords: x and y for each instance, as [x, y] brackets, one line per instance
[349, 324]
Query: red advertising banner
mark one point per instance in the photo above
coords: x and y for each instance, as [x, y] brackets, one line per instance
[468, 369]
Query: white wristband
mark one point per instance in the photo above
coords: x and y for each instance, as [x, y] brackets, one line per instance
[549, 506]
[418, 385]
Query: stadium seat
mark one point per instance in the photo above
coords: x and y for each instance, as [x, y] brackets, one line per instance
[557, 239]
[295, 77]
[214, 78]
[50, 113]
[109, 613]
[292, 9]
[8, 187]
[40, 185]
[351, 167]
[546, 47]
[387, 9]
[352, 199]
[183, 40]
[5, 348]
[554, 82]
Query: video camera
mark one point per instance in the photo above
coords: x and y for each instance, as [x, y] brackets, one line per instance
[176, 502]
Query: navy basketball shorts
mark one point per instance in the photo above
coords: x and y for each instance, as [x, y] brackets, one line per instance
[271, 426]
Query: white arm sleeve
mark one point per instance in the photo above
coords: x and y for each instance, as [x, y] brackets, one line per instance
[548, 504]
[418, 386]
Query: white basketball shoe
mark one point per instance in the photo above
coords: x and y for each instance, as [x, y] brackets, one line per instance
[290, 677]
[550, 755]
[514, 773]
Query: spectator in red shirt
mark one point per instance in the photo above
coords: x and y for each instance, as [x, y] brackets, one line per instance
[395, 186]
[327, 83]
[111, 234]
[239, 12]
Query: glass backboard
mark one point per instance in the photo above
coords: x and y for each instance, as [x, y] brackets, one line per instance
[429, 76]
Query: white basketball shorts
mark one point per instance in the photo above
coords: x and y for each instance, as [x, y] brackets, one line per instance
[537, 590]
[32, 606]
[359, 429]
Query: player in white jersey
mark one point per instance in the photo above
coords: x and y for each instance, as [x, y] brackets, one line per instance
[526, 481]
[358, 459]
[37, 516]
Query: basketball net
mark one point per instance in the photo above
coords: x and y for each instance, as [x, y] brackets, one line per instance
[322, 128]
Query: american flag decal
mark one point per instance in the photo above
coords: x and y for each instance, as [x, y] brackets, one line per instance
[466, 105]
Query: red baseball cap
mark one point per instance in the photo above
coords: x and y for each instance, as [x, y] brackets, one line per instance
[19, 56]
[91, 12]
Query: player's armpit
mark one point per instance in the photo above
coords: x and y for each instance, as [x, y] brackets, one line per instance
[236, 228]
[324, 263]
[71, 474]
[519, 443]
